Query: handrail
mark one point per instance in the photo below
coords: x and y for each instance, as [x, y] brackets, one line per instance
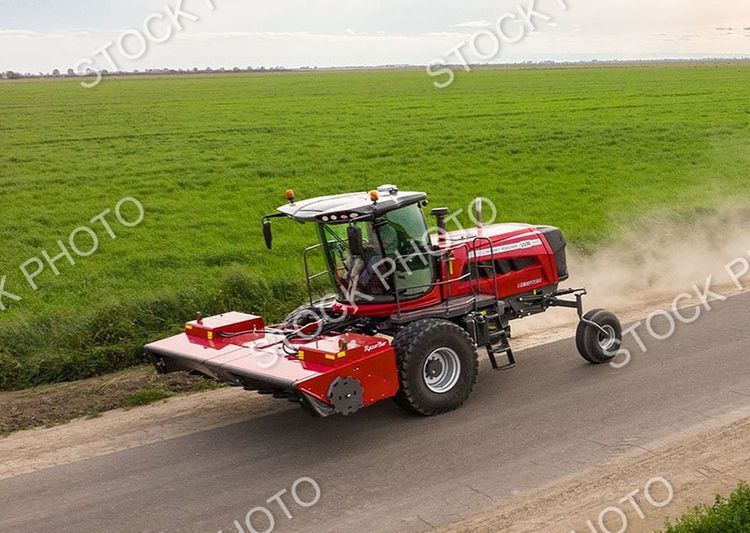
[494, 266]
[476, 290]
[307, 270]
[448, 282]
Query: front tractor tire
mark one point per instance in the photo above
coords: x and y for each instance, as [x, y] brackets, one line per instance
[597, 346]
[437, 366]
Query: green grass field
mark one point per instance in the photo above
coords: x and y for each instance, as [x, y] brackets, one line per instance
[587, 149]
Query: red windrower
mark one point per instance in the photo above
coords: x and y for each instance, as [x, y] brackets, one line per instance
[410, 309]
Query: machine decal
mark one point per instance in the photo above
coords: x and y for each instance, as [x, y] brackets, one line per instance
[523, 245]
[530, 283]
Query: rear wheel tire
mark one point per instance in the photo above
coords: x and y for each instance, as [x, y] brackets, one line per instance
[437, 366]
[596, 346]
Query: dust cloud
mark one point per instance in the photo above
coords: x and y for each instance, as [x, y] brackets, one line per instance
[652, 262]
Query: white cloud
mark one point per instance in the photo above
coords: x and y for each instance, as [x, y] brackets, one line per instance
[23, 33]
[479, 24]
[299, 32]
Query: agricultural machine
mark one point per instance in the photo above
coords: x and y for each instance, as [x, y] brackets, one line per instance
[411, 309]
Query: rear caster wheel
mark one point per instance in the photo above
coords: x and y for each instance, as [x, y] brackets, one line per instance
[437, 366]
[599, 345]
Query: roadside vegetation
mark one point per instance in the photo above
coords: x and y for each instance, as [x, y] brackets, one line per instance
[49, 405]
[726, 515]
[587, 149]
[111, 336]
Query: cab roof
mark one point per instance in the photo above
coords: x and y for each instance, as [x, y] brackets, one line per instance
[344, 207]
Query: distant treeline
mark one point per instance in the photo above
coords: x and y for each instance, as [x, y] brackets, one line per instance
[70, 73]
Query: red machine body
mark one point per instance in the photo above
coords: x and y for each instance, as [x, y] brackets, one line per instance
[464, 285]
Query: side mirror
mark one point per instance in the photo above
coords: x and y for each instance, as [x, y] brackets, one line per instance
[267, 235]
[356, 246]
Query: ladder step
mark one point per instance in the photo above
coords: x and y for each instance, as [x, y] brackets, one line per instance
[499, 340]
[499, 343]
[505, 349]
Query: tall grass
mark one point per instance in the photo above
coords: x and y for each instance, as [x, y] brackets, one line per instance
[111, 337]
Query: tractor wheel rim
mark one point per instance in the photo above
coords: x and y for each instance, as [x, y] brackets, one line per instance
[441, 370]
[607, 340]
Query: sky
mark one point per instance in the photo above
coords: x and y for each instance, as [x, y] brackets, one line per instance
[41, 35]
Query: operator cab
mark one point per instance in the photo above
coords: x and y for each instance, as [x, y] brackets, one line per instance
[376, 244]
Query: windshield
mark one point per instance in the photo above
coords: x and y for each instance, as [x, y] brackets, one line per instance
[395, 257]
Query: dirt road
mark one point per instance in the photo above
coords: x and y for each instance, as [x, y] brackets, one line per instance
[552, 422]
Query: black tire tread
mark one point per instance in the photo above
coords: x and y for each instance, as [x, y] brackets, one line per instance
[586, 343]
[406, 343]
